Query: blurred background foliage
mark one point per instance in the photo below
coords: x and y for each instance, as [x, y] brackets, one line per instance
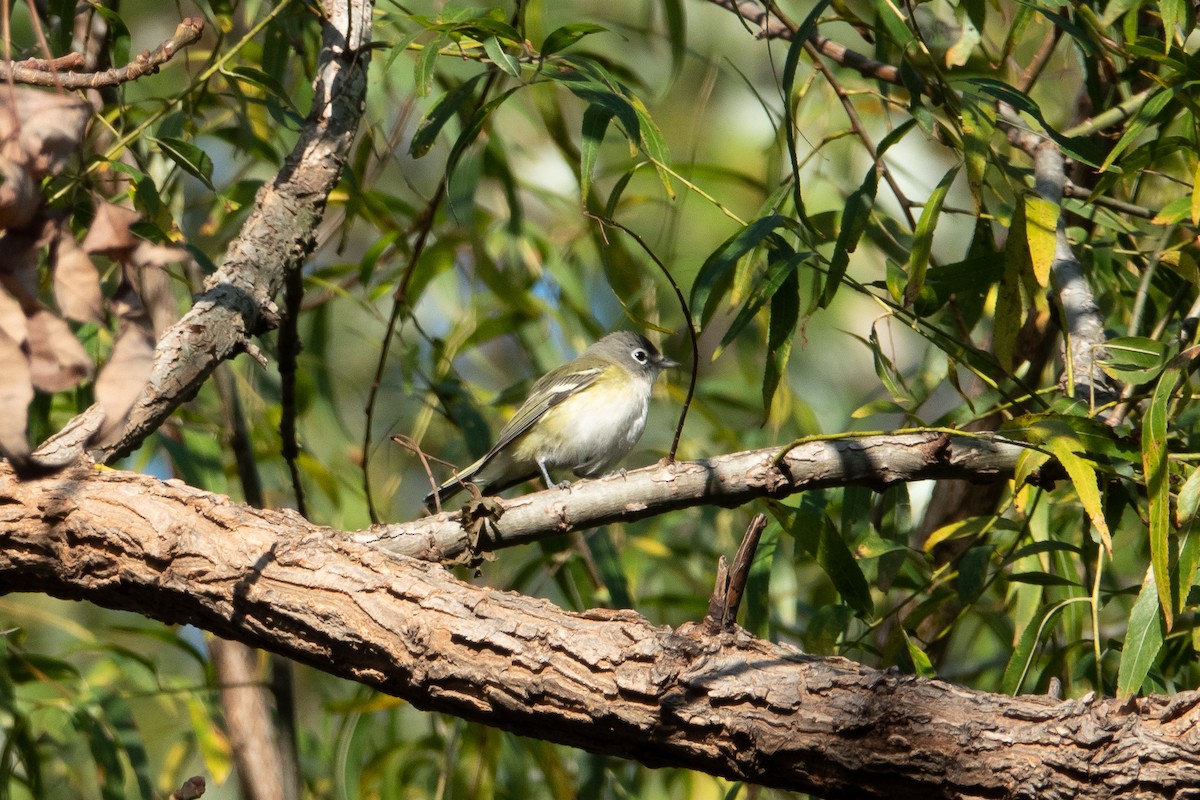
[844, 272]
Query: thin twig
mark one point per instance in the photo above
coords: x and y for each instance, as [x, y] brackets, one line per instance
[146, 63]
[687, 315]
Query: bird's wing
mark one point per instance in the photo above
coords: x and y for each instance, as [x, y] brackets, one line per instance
[549, 391]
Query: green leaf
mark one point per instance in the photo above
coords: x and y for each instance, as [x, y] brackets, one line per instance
[1022, 656]
[506, 62]
[423, 68]
[978, 123]
[1143, 639]
[785, 314]
[1009, 314]
[562, 38]
[1189, 499]
[655, 145]
[595, 124]
[813, 529]
[190, 158]
[723, 259]
[1041, 233]
[918, 257]
[1077, 147]
[972, 573]
[855, 217]
[779, 266]
[920, 660]
[1066, 449]
[1158, 489]
[1138, 124]
[442, 111]
[1134, 359]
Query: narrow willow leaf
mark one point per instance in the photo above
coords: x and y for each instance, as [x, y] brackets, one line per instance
[918, 257]
[1134, 359]
[723, 259]
[778, 268]
[920, 659]
[1158, 489]
[1189, 499]
[1143, 639]
[595, 124]
[1138, 124]
[473, 127]
[562, 38]
[835, 558]
[1196, 195]
[1077, 147]
[855, 217]
[1022, 657]
[192, 159]
[655, 145]
[503, 60]
[790, 65]
[1085, 482]
[785, 314]
[978, 123]
[1174, 14]
[442, 111]
[1041, 232]
[1009, 314]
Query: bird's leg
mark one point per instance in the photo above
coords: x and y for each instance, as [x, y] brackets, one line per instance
[541, 462]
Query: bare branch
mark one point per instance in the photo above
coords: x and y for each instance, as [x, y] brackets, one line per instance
[727, 480]
[39, 72]
[605, 681]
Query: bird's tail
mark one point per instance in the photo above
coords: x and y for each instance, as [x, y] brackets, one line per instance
[453, 486]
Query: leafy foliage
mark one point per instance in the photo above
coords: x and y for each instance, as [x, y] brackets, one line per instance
[859, 253]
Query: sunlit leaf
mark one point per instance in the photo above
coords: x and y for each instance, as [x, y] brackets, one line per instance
[191, 158]
[1158, 488]
[918, 258]
[1143, 639]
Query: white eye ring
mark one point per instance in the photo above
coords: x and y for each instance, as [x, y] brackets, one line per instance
[639, 356]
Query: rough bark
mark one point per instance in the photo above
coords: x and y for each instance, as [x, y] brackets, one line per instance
[606, 681]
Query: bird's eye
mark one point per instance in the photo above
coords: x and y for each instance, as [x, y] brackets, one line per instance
[640, 356]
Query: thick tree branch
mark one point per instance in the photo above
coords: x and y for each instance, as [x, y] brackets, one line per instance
[39, 72]
[605, 681]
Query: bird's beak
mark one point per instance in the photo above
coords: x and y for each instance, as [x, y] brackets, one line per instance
[665, 363]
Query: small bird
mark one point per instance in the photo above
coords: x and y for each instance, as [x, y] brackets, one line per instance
[585, 415]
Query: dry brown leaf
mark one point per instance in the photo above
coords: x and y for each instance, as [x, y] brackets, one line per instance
[12, 318]
[124, 377]
[16, 391]
[57, 361]
[153, 284]
[76, 281]
[51, 127]
[19, 267]
[20, 195]
[110, 233]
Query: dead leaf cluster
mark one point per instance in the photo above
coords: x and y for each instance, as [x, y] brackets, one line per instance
[39, 350]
